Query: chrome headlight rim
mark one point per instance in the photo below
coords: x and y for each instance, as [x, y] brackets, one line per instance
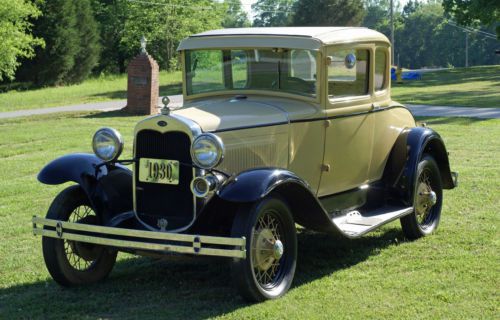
[117, 140]
[219, 145]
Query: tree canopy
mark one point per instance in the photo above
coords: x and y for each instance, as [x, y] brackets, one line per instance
[15, 33]
[72, 44]
[163, 22]
[328, 13]
[468, 12]
[270, 13]
[235, 16]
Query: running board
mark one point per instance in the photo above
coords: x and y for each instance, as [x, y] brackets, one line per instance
[355, 224]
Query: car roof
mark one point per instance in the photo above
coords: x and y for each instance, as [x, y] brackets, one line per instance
[286, 37]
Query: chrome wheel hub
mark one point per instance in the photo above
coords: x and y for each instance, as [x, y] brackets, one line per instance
[267, 249]
[425, 198]
[278, 249]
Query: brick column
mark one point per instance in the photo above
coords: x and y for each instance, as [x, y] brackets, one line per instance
[143, 85]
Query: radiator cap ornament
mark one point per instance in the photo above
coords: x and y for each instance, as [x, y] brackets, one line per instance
[165, 110]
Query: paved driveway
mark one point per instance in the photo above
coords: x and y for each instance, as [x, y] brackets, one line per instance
[176, 100]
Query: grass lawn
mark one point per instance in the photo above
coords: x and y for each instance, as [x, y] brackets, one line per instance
[92, 90]
[451, 274]
[472, 87]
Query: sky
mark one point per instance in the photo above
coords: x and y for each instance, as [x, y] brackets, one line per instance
[247, 5]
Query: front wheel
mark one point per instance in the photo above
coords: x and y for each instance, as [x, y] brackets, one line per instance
[271, 245]
[428, 199]
[73, 263]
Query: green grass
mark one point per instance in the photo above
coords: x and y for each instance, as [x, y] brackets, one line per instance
[451, 274]
[472, 87]
[92, 90]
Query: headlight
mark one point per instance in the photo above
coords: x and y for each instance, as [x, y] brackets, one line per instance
[207, 150]
[107, 144]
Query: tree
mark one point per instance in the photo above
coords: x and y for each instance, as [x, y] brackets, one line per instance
[271, 13]
[165, 23]
[57, 27]
[377, 14]
[468, 12]
[72, 44]
[87, 56]
[328, 13]
[17, 41]
[236, 17]
[426, 38]
[111, 16]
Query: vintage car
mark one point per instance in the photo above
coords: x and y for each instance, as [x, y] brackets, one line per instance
[279, 127]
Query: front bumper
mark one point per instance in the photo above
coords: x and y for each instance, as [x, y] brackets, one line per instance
[162, 242]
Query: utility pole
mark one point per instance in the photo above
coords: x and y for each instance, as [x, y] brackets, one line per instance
[466, 49]
[392, 32]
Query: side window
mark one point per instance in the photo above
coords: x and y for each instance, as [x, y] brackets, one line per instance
[348, 72]
[380, 68]
[239, 68]
[303, 64]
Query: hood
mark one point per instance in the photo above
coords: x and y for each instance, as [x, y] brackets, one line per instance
[233, 113]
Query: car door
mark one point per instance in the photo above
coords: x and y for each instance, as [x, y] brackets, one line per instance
[350, 123]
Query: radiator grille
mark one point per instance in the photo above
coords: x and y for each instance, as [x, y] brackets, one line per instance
[172, 202]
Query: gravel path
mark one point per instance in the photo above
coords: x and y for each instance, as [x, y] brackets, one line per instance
[176, 100]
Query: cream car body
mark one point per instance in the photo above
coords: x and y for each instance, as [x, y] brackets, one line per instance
[279, 126]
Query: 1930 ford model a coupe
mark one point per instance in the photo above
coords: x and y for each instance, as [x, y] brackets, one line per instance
[280, 126]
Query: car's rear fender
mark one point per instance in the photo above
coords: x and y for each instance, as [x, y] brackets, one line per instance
[411, 145]
[255, 184]
[109, 187]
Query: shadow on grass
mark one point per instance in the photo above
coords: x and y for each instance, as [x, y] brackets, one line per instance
[109, 114]
[170, 89]
[179, 287]
[463, 121]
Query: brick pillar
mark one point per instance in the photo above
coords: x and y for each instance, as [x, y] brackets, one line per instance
[143, 85]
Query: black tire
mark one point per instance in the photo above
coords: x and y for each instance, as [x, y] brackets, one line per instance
[62, 256]
[250, 275]
[425, 218]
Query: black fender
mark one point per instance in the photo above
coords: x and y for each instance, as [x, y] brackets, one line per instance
[109, 187]
[253, 185]
[411, 145]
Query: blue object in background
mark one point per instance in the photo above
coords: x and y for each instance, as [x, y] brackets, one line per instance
[407, 75]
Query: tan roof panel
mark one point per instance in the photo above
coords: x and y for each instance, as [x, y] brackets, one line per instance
[288, 37]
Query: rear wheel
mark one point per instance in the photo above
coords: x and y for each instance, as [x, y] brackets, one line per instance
[70, 262]
[428, 199]
[271, 245]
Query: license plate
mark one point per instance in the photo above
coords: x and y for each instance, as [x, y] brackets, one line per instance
[159, 171]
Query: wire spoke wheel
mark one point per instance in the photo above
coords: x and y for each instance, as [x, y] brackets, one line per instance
[81, 256]
[428, 197]
[267, 249]
[71, 262]
[425, 198]
[268, 270]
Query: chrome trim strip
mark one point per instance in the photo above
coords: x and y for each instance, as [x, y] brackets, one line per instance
[64, 231]
[312, 119]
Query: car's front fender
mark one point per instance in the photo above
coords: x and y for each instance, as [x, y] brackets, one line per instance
[253, 185]
[76, 167]
[108, 187]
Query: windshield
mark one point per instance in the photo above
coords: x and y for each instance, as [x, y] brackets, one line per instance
[285, 70]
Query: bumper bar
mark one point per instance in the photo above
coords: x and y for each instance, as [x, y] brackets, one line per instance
[141, 240]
